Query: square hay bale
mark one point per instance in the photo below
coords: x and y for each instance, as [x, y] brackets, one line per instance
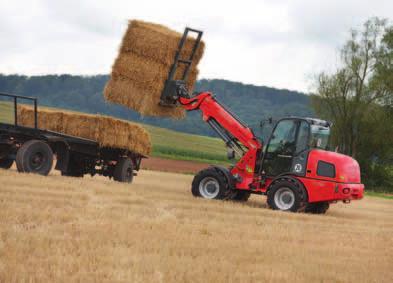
[107, 131]
[157, 42]
[142, 67]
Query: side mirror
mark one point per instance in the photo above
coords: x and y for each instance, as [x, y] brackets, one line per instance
[230, 153]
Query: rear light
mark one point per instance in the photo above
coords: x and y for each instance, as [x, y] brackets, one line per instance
[346, 190]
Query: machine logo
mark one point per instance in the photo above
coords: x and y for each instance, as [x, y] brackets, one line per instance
[297, 168]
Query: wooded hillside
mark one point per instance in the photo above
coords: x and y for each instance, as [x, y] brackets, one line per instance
[251, 103]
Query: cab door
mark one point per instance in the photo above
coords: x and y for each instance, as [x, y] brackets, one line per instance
[288, 140]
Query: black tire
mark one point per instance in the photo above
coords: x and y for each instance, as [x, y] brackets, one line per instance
[317, 207]
[124, 170]
[287, 195]
[211, 179]
[240, 195]
[34, 156]
[6, 163]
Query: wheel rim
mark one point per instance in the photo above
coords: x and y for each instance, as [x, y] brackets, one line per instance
[284, 198]
[209, 188]
[37, 160]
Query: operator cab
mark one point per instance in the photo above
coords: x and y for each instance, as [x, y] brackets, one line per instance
[289, 143]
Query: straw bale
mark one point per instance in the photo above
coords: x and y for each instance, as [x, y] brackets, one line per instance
[52, 119]
[107, 131]
[140, 71]
[157, 42]
[147, 74]
[143, 72]
[144, 98]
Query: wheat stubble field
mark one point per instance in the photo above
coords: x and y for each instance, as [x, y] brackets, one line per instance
[94, 230]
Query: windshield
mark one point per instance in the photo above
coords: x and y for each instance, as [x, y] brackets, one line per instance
[319, 136]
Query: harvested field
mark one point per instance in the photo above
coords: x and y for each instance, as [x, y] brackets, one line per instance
[107, 131]
[142, 67]
[92, 229]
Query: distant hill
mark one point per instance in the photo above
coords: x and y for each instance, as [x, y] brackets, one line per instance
[84, 93]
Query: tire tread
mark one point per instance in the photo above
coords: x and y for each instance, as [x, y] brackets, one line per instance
[299, 191]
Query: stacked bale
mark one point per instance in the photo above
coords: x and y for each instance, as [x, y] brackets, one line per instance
[107, 131]
[142, 67]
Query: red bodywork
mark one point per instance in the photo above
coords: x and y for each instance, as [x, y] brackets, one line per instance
[346, 184]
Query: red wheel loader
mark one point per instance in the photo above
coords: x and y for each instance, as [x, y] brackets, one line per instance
[292, 167]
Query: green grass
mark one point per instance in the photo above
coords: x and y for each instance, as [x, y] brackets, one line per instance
[176, 145]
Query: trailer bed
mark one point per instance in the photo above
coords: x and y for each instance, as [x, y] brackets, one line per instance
[76, 156]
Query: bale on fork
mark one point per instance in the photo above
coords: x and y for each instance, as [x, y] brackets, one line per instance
[142, 67]
[107, 131]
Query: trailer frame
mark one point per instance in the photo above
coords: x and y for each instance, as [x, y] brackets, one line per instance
[75, 156]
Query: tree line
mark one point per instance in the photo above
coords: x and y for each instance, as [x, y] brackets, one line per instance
[358, 98]
[84, 93]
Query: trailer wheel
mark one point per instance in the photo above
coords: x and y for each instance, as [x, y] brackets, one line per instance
[317, 207]
[34, 157]
[240, 195]
[6, 163]
[124, 170]
[211, 184]
[287, 195]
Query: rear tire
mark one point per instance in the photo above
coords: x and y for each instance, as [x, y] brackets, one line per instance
[6, 163]
[287, 195]
[240, 196]
[210, 183]
[124, 170]
[317, 207]
[34, 156]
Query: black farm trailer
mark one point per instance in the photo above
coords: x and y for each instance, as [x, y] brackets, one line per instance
[33, 150]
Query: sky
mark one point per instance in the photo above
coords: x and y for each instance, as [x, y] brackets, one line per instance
[280, 43]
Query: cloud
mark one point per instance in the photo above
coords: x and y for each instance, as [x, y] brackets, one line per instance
[275, 43]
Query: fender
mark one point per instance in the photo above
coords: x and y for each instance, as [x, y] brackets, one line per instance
[62, 154]
[227, 174]
[289, 178]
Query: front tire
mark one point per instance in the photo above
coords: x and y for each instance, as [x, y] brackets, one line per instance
[210, 183]
[34, 156]
[6, 163]
[124, 170]
[287, 195]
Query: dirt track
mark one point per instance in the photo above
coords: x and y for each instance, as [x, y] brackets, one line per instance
[169, 165]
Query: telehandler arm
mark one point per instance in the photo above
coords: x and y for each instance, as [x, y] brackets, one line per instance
[236, 135]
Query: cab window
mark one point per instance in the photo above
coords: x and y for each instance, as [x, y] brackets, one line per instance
[303, 137]
[283, 140]
[319, 137]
